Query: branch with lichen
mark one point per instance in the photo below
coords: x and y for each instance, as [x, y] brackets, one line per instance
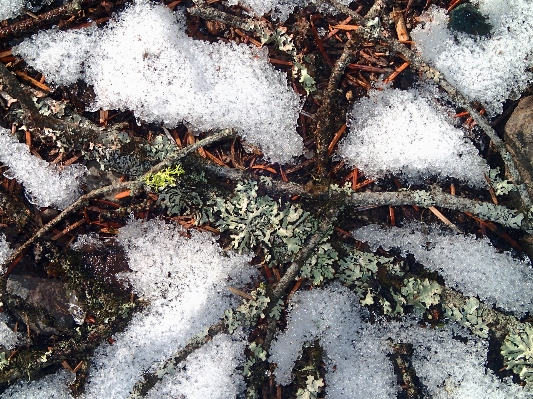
[484, 210]
[134, 186]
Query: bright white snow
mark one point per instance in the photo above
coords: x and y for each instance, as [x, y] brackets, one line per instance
[404, 133]
[451, 364]
[144, 61]
[45, 184]
[13, 8]
[216, 363]
[490, 70]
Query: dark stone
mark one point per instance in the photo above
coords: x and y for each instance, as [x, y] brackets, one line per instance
[467, 18]
[518, 136]
[47, 294]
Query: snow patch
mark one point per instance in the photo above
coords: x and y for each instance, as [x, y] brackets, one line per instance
[356, 362]
[467, 264]
[490, 70]
[403, 133]
[46, 185]
[185, 281]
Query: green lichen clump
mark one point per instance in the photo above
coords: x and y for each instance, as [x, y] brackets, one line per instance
[255, 221]
[421, 293]
[517, 351]
[470, 316]
[164, 178]
[249, 311]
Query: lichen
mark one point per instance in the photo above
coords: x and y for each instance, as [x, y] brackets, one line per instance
[517, 351]
[249, 312]
[184, 197]
[421, 293]
[470, 316]
[259, 221]
[312, 389]
[164, 178]
[318, 266]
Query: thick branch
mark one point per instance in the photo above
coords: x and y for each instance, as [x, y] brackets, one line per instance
[483, 210]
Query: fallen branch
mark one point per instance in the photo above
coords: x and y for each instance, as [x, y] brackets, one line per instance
[484, 210]
[325, 114]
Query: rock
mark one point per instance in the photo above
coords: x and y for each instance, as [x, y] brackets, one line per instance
[467, 18]
[518, 136]
[47, 294]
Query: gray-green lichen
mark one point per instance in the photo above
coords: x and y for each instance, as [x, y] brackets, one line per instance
[249, 312]
[421, 293]
[470, 316]
[506, 217]
[312, 389]
[318, 266]
[259, 221]
[517, 352]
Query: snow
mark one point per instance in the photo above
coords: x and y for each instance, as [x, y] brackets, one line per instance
[472, 266]
[53, 386]
[14, 8]
[143, 61]
[219, 360]
[281, 9]
[405, 133]
[185, 281]
[45, 184]
[11, 8]
[5, 250]
[356, 362]
[490, 70]
[8, 338]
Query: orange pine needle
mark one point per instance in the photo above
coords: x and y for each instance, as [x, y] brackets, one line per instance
[336, 139]
[267, 168]
[34, 82]
[346, 27]
[123, 194]
[399, 70]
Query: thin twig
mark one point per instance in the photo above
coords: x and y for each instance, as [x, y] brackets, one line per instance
[46, 18]
[148, 379]
[325, 114]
